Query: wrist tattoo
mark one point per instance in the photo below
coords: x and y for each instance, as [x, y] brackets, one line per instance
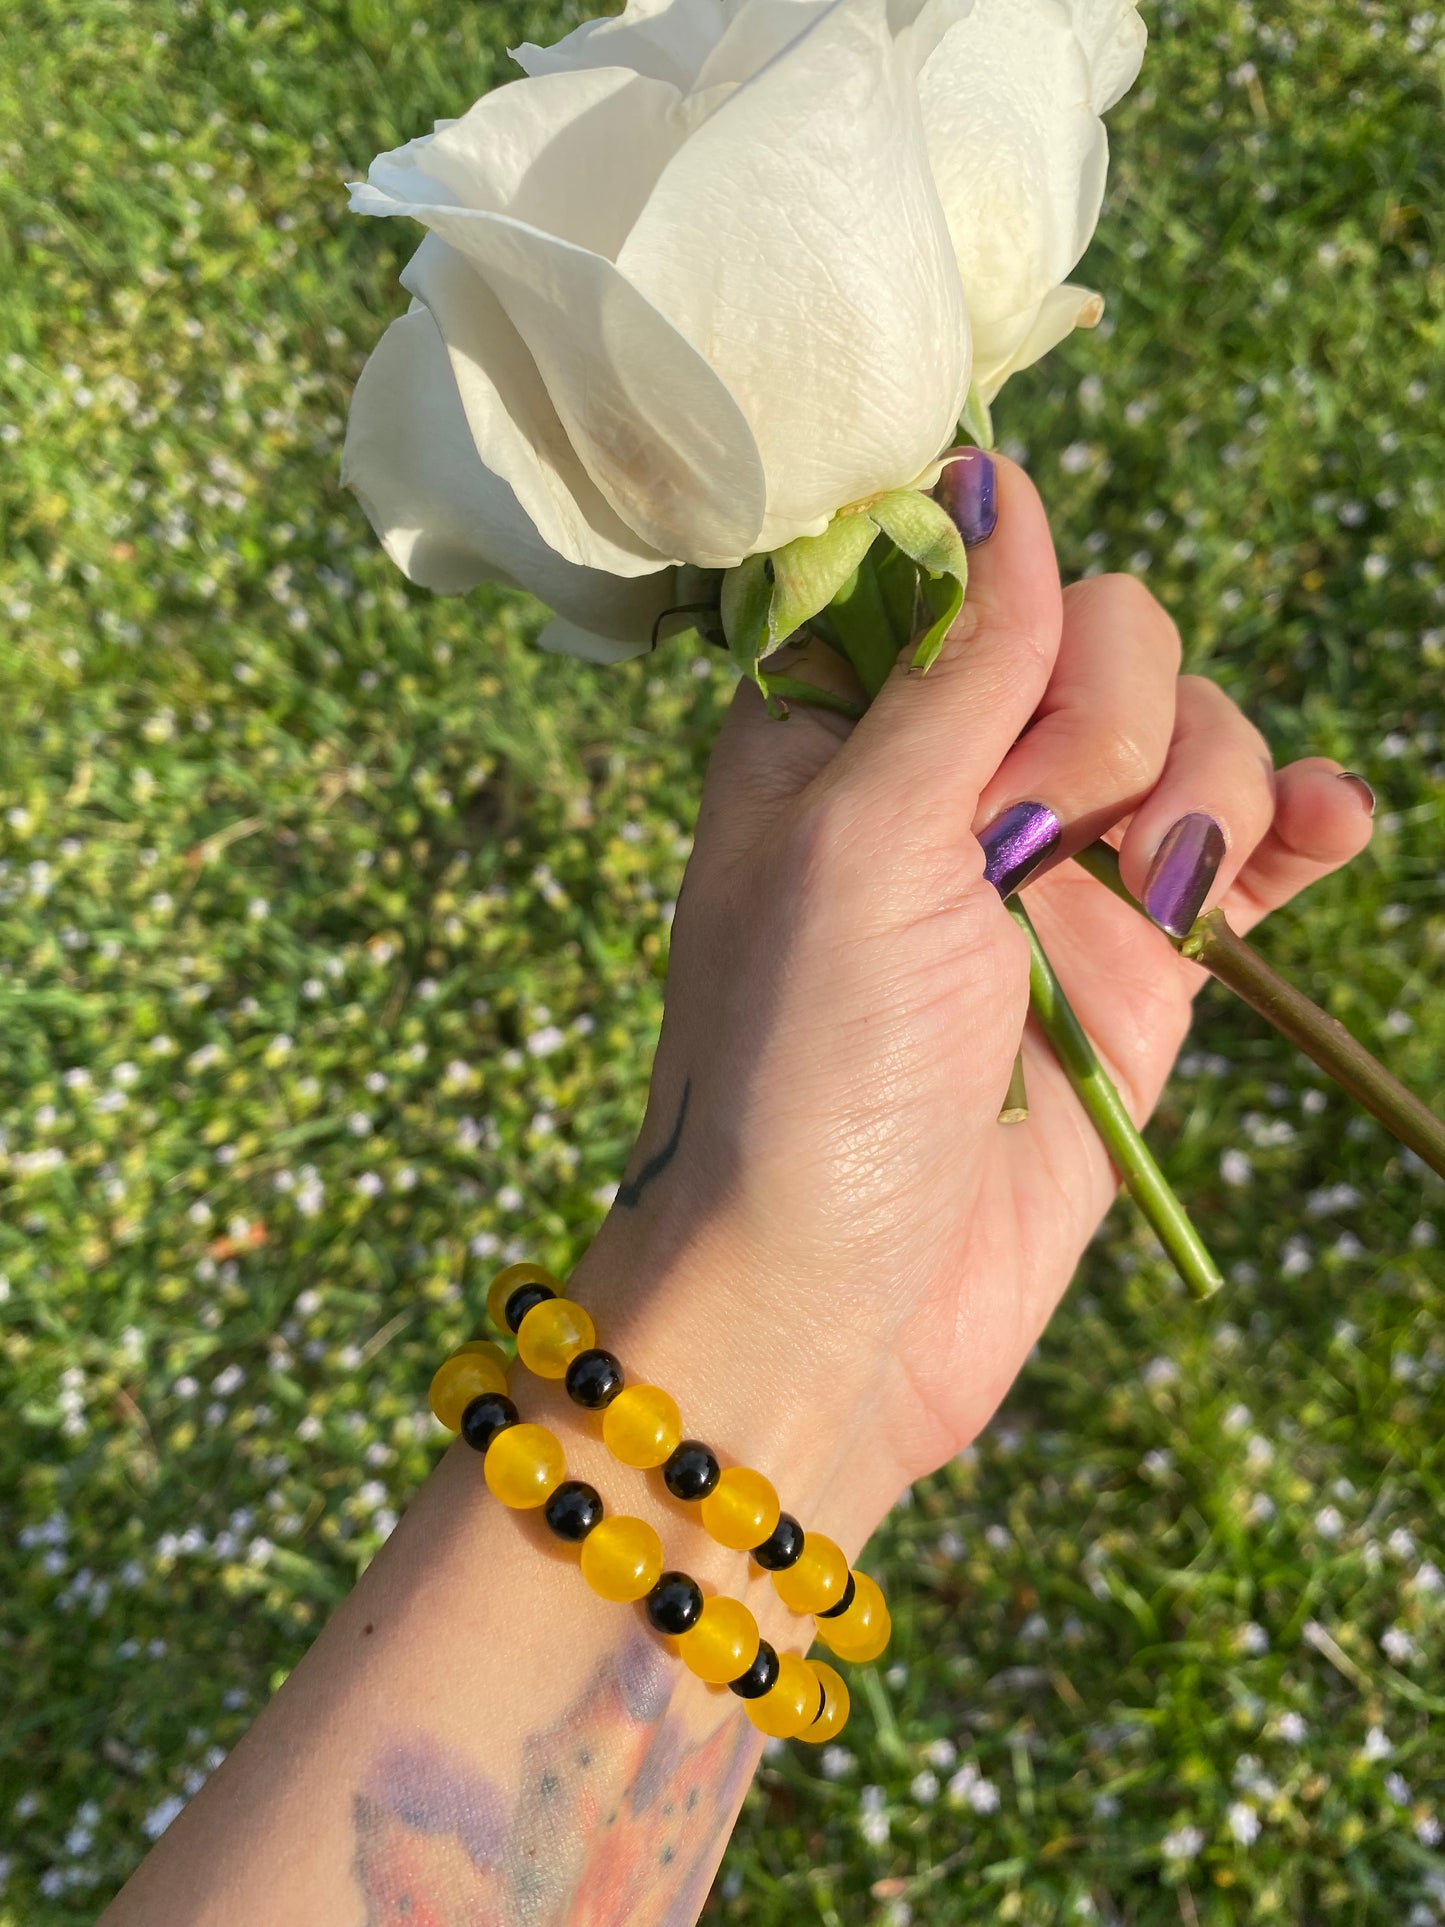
[629, 1192]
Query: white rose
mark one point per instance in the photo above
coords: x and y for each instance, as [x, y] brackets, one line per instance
[682, 299]
[1013, 93]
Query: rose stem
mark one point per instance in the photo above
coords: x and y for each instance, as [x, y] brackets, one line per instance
[1240, 968]
[1146, 1183]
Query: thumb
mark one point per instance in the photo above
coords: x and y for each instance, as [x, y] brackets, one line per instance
[931, 740]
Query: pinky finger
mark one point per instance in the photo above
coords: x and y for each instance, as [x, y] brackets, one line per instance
[1321, 820]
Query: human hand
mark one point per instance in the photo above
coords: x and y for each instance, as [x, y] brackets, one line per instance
[821, 1152]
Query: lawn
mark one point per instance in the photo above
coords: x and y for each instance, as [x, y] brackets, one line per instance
[333, 923]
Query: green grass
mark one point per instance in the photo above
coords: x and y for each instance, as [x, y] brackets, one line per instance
[332, 929]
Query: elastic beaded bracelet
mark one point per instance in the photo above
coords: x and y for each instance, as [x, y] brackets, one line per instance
[717, 1638]
[642, 1427]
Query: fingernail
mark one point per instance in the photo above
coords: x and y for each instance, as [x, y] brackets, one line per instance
[968, 489]
[1180, 875]
[1016, 843]
[1366, 794]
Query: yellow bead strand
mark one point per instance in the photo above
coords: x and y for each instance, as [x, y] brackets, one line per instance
[834, 1716]
[817, 1580]
[863, 1632]
[741, 1510]
[790, 1703]
[622, 1559]
[552, 1334]
[472, 1370]
[510, 1280]
[642, 1426]
[723, 1644]
[524, 1466]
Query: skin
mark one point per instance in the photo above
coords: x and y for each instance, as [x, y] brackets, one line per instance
[825, 1246]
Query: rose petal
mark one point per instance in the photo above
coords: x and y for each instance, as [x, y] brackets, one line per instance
[1020, 157]
[797, 239]
[1061, 311]
[665, 39]
[563, 638]
[446, 520]
[1113, 38]
[651, 422]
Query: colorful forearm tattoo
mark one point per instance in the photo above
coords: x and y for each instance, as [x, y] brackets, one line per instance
[620, 1818]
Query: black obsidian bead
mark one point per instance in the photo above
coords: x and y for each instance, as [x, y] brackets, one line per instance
[691, 1472]
[761, 1676]
[522, 1301]
[573, 1510]
[675, 1603]
[594, 1379]
[485, 1417]
[840, 1606]
[783, 1547]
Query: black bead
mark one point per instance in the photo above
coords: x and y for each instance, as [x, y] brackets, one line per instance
[522, 1301]
[573, 1510]
[675, 1603]
[783, 1547]
[761, 1676]
[594, 1379]
[822, 1702]
[485, 1417]
[832, 1612]
[691, 1472]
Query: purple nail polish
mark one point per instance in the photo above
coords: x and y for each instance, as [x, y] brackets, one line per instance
[968, 489]
[1363, 789]
[1187, 863]
[1016, 843]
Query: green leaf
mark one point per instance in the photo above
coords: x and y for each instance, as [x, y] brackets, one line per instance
[924, 530]
[976, 421]
[747, 598]
[808, 573]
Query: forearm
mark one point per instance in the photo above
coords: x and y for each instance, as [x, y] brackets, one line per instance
[475, 1737]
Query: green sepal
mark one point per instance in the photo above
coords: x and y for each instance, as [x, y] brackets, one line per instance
[809, 572]
[976, 421]
[747, 596]
[924, 530]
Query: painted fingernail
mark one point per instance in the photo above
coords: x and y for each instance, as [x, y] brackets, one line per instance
[1179, 877]
[1366, 794]
[1016, 843]
[968, 489]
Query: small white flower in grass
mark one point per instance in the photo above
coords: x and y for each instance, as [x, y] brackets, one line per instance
[924, 1787]
[1429, 1578]
[1292, 1727]
[1184, 1843]
[1258, 1453]
[1244, 1822]
[309, 1428]
[1236, 1419]
[1428, 1831]
[1329, 1522]
[1398, 1646]
[998, 1537]
[836, 1763]
[1235, 1168]
[1398, 1788]
[509, 1198]
[1377, 1746]
[1252, 1638]
[872, 1819]
[543, 1042]
[370, 1184]
[940, 1753]
[228, 1381]
[160, 1817]
[1158, 1373]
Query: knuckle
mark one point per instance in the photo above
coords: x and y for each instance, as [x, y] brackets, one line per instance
[1127, 763]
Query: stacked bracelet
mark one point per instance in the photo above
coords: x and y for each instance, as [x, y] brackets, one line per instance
[642, 1427]
[784, 1695]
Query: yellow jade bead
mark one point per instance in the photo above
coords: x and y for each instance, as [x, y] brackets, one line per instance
[790, 1702]
[622, 1559]
[510, 1280]
[723, 1644]
[862, 1633]
[524, 1466]
[642, 1426]
[834, 1716]
[473, 1369]
[817, 1580]
[552, 1334]
[741, 1510]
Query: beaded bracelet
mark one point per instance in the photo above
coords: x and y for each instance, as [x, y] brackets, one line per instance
[642, 1427]
[784, 1695]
